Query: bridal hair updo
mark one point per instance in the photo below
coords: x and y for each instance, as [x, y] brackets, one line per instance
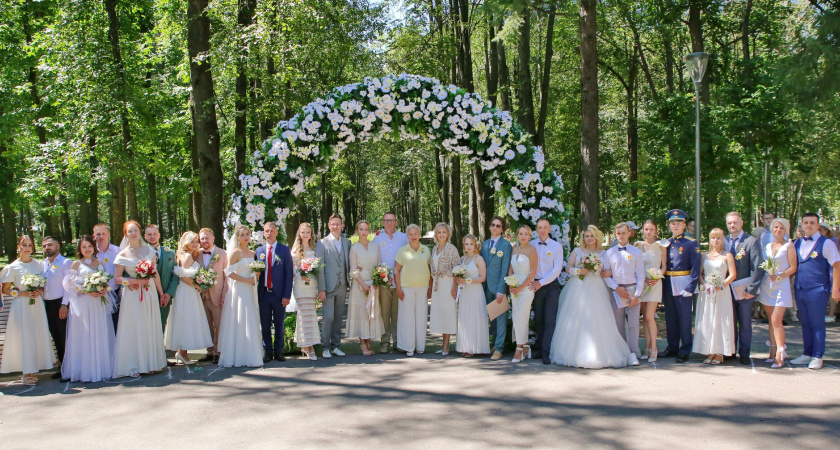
[596, 233]
[186, 239]
[470, 237]
[298, 248]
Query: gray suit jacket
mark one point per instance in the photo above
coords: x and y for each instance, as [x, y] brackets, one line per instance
[334, 262]
[752, 255]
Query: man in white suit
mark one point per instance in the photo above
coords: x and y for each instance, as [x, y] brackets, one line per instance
[333, 281]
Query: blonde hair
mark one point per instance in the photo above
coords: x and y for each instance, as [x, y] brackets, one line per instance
[525, 226]
[359, 223]
[297, 248]
[186, 239]
[413, 227]
[717, 232]
[782, 221]
[238, 230]
[444, 226]
[207, 231]
[473, 239]
[596, 233]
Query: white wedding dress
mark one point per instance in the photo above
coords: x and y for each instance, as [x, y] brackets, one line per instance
[90, 331]
[28, 347]
[240, 338]
[714, 327]
[187, 327]
[473, 332]
[139, 344]
[586, 335]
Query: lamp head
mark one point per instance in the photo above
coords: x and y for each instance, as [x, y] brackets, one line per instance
[696, 63]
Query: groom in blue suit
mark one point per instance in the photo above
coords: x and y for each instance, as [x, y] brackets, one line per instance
[496, 254]
[274, 290]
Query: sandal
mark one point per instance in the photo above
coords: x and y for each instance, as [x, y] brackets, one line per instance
[772, 357]
[29, 380]
[134, 374]
[716, 361]
[709, 359]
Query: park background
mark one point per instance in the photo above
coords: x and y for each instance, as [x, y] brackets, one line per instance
[149, 109]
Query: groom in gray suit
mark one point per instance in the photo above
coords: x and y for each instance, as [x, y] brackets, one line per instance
[748, 257]
[333, 280]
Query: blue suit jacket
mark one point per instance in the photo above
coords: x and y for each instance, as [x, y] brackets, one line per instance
[497, 266]
[282, 273]
[684, 256]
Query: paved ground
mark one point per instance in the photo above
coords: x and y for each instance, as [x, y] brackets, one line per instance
[433, 402]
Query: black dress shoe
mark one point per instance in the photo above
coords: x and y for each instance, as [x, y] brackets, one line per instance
[745, 360]
[216, 359]
[280, 357]
[206, 358]
[666, 354]
[537, 354]
[56, 375]
[546, 361]
[268, 357]
[682, 359]
[65, 380]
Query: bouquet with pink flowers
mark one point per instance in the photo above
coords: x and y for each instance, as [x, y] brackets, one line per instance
[382, 276]
[309, 267]
[591, 262]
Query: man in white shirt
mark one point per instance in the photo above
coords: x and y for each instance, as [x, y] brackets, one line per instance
[817, 279]
[626, 265]
[546, 289]
[55, 266]
[389, 241]
[106, 252]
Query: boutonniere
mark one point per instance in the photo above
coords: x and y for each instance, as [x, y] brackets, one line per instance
[628, 257]
[167, 249]
[681, 250]
[493, 250]
[262, 257]
[741, 254]
[500, 253]
[53, 267]
[382, 244]
[215, 258]
[814, 254]
[107, 260]
[125, 282]
[548, 253]
[15, 292]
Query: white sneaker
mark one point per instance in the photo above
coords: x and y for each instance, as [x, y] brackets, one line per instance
[338, 352]
[830, 320]
[326, 354]
[409, 354]
[816, 363]
[804, 359]
[633, 360]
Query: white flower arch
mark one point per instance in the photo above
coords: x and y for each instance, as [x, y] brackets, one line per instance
[401, 107]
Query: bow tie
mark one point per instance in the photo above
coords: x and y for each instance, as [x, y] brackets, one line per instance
[622, 249]
[542, 243]
[806, 238]
[206, 252]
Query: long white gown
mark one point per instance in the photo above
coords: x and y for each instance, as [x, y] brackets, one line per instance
[521, 313]
[240, 338]
[777, 293]
[187, 327]
[139, 345]
[90, 331]
[586, 335]
[473, 330]
[307, 333]
[362, 306]
[28, 346]
[714, 329]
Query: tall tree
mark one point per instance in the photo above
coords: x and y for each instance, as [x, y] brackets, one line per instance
[589, 133]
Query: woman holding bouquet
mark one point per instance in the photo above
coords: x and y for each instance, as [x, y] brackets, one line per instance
[139, 345]
[90, 328]
[775, 292]
[363, 320]
[714, 329]
[444, 313]
[240, 341]
[654, 257]
[307, 333]
[27, 348]
[523, 267]
[586, 335]
[187, 327]
[473, 333]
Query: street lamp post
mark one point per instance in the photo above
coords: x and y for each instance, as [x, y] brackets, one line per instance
[696, 64]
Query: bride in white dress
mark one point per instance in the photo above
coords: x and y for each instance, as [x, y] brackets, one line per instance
[523, 265]
[586, 335]
[240, 338]
[187, 327]
[714, 327]
[90, 328]
[473, 332]
[139, 345]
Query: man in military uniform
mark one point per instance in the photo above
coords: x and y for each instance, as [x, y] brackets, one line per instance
[682, 273]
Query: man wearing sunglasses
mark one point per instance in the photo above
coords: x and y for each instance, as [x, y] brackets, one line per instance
[496, 253]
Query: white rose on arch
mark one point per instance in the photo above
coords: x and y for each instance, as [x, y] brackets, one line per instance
[418, 108]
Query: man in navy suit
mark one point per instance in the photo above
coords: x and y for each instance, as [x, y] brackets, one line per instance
[274, 291]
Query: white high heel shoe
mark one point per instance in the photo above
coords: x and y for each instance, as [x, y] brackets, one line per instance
[183, 361]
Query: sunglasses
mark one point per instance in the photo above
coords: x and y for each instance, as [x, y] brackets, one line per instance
[495, 225]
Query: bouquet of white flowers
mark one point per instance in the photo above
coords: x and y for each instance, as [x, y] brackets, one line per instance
[770, 266]
[713, 281]
[512, 281]
[654, 274]
[205, 278]
[257, 266]
[33, 282]
[97, 282]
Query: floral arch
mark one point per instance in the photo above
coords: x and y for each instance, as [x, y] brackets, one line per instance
[401, 107]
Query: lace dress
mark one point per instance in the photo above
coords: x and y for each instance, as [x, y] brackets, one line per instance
[363, 320]
[473, 331]
[306, 296]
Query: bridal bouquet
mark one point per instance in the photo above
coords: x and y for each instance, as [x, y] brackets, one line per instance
[33, 282]
[205, 278]
[97, 282]
[512, 281]
[145, 270]
[770, 266]
[591, 262]
[382, 275]
[714, 282]
[459, 271]
[309, 267]
[654, 274]
[257, 266]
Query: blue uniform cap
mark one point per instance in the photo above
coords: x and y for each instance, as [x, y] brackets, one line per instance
[676, 215]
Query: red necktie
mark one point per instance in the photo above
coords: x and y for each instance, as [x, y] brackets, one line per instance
[268, 271]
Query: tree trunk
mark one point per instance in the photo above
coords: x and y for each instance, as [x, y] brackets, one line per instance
[464, 46]
[695, 29]
[504, 77]
[154, 216]
[443, 184]
[90, 217]
[195, 186]
[745, 31]
[546, 75]
[486, 200]
[455, 199]
[589, 140]
[9, 219]
[492, 62]
[205, 126]
[245, 17]
[473, 209]
[525, 90]
[66, 226]
[117, 210]
[633, 123]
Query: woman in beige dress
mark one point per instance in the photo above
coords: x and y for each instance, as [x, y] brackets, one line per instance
[444, 313]
[363, 320]
[654, 256]
[306, 295]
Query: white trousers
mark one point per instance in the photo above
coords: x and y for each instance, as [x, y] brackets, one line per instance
[411, 323]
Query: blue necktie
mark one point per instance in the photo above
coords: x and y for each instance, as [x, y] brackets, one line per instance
[734, 244]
